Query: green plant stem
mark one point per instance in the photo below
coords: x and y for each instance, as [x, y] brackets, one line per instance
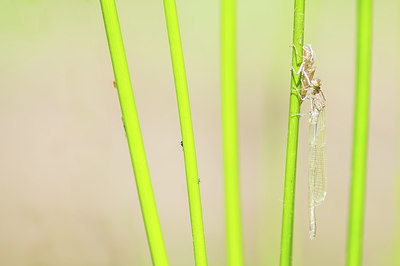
[230, 133]
[292, 140]
[133, 133]
[360, 139]
[182, 96]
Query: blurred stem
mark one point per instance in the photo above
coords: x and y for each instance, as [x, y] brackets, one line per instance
[230, 133]
[134, 135]
[292, 140]
[182, 96]
[360, 138]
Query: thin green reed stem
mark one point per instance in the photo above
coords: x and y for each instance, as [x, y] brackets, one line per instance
[292, 140]
[230, 133]
[182, 96]
[360, 138]
[134, 135]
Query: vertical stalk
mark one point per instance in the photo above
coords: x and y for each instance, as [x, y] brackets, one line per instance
[230, 133]
[360, 138]
[185, 119]
[134, 135]
[292, 140]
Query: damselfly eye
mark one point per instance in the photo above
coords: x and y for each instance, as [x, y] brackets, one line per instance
[316, 83]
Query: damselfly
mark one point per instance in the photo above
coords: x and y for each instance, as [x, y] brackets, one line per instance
[317, 178]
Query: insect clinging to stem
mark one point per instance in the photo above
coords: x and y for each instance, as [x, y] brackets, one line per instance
[307, 69]
[317, 178]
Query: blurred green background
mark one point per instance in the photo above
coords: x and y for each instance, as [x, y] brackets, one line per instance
[67, 192]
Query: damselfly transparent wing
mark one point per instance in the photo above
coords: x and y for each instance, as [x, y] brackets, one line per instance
[317, 178]
[316, 165]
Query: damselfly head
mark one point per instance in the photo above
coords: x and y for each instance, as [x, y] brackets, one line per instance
[316, 83]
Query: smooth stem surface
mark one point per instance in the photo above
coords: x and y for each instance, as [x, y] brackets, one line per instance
[230, 134]
[360, 138]
[292, 140]
[182, 96]
[133, 133]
